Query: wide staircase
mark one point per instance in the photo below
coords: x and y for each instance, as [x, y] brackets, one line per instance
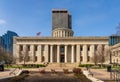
[61, 65]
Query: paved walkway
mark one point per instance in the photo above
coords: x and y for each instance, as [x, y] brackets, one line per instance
[93, 79]
[5, 74]
[101, 74]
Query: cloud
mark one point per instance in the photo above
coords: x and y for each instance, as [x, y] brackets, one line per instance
[2, 22]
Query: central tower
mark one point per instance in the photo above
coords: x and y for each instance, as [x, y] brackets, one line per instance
[61, 23]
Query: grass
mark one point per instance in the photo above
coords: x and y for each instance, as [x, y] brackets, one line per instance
[25, 66]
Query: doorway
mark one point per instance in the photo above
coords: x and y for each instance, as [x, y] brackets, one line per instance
[62, 58]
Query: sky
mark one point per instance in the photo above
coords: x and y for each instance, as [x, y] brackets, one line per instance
[89, 17]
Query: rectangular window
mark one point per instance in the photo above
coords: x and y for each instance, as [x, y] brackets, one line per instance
[95, 47]
[88, 48]
[81, 48]
[35, 48]
[81, 58]
[28, 47]
[35, 58]
[43, 47]
[88, 58]
[62, 49]
[21, 47]
[103, 47]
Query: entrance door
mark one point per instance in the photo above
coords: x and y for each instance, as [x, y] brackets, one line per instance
[61, 58]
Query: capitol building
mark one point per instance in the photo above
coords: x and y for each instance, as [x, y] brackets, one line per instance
[61, 47]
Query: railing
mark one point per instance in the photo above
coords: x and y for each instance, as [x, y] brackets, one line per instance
[115, 75]
[13, 71]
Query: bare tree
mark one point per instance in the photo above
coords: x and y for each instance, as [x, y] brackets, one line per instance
[101, 55]
[7, 57]
[95, 58]
[23, 56]
[108, 55]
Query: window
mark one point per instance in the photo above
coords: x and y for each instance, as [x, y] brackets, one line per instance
[35, 58]
[81, 58]
[103, 47]
[62, 49]
[81, 48]
[21, 47]
[88, 48]
[28, 47]
[43, 47]
[43, 58]
[88, 58]
[95, 47]
[35, 48]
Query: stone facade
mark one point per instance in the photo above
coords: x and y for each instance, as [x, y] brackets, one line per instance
[58, 50]
[62, 47]
[115, 53]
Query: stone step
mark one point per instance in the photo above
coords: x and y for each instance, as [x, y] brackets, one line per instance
[72, 65]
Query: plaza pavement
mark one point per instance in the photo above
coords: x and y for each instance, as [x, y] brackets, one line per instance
[99, 74]
[5, 74]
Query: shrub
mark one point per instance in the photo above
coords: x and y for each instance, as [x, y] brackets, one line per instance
[53, 71]
[42, 71]
[65, 71]
[86, 65]
[35, 65]
[77, 71]
[25, 66]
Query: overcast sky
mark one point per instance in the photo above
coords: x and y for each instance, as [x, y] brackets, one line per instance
[89, 17]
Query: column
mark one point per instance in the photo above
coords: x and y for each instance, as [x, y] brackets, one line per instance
[46, 53]
[72, 57]
[78, 53]
[17, 51]
[39, 54]
[64, 34]
[24, 51]
[58, 53]
[84, 53]
[51, 53]
[65, 53]
[92, 51]
[32, 52]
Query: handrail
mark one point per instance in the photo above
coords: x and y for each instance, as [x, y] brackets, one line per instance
[12, 72]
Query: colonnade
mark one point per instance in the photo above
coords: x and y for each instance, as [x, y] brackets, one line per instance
[59, 53]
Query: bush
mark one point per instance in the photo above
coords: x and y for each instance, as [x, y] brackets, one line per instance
[25, 66]
[65, 71]
[77, 71]
[86, 65]
[42, 71]
[33, 65]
